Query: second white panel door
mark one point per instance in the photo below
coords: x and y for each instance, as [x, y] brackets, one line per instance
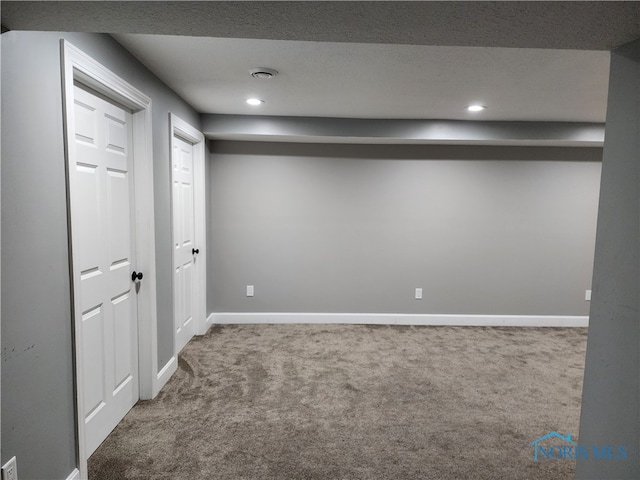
[185, 249]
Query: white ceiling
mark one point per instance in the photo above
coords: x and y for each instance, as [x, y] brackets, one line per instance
[355, 80]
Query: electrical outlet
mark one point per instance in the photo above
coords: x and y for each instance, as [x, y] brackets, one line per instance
[10, 470]
[587, 295]
[249, 290]
[418, 294]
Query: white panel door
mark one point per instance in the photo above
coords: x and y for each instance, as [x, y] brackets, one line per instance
[103, 240]
[185, 250]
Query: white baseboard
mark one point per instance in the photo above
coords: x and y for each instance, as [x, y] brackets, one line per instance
[210, 320]
[405, 319]
[75, 475]
[164, 375]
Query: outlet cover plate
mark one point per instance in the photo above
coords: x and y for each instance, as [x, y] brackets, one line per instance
[10, 470]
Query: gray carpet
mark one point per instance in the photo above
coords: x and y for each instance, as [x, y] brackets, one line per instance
[355, 402]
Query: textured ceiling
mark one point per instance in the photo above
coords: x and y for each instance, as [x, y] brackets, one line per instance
[562, 25]
[542, 61]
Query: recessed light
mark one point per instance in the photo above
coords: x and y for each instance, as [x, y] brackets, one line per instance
[255, 101]
[476, 108]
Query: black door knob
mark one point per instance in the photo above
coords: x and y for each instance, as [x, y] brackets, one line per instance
[136, 276]
[195, 251]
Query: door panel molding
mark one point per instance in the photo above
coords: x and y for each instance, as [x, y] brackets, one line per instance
[79, 67]
[180, 128]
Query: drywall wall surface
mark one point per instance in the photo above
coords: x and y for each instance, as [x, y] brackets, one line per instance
[38, 419]
[611, 390]
[355, 229]
[267, 128]
[37, 359]
[209, 226]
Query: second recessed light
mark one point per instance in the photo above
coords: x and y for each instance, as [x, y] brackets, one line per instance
[255, 101]
[476, 108]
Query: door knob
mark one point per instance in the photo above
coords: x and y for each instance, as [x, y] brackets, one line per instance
[195, 251]
[136, 276]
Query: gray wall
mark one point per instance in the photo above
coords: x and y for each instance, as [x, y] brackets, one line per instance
[37, 361]
[352, 228]
[611, 389]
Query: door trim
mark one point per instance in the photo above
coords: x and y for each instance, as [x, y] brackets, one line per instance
[182, 129]
[78, 66]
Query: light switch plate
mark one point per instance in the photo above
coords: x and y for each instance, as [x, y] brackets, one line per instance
[249, 290]
[418, 294]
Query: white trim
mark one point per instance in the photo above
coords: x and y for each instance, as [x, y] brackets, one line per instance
[75, 475]
[78, 66]
[180, 128]
[166, 372]
[405, 319]
[210, 320]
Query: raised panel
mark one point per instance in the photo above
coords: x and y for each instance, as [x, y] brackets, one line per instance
[116, 135]
[86, 123]
[88, 218]
[123, 325]
[93, 354]
[175, 159]
[187, 214]
[119, 229]
[187, 272]
[119, 278]
[186, 160]
[177, 217]
[178, 299]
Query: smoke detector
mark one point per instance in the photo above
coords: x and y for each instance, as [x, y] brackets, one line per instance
[263, 73]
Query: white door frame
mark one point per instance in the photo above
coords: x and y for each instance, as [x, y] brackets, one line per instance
[182, 129]
[78, 66]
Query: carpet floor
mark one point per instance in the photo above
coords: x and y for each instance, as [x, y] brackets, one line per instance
[355, 402]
